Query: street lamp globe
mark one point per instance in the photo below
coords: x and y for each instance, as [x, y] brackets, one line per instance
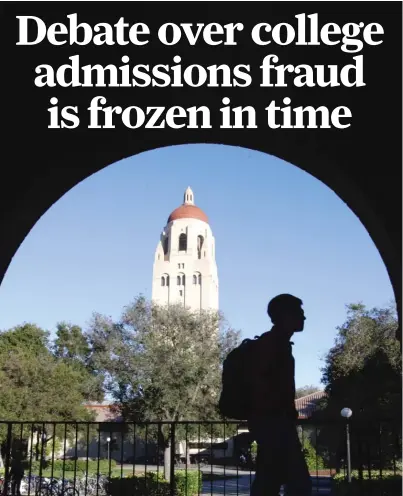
[346, 412]
[108, 439]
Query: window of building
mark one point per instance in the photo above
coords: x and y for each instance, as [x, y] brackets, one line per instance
[162, 281]
[180, 292]
[194, 280]
[183, 280]
[183, 242]
[199, 279]
[166, 246]
[200, 241]
[178, 280]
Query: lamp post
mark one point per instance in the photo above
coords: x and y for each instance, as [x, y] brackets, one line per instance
[108, 441]
[346, 413]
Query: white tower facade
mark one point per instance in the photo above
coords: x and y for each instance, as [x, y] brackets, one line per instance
[185, 270]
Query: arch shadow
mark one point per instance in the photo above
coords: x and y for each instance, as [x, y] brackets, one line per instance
[361, 164]
[304, 155]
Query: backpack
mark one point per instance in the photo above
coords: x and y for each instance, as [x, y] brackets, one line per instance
[237, 377]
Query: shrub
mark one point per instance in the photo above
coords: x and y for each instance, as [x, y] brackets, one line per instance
[153, 484]
[150, 484]
[387, 485]
[53, 447]
[314, 461]
[188, 483]
[253, 451]
[35, 466]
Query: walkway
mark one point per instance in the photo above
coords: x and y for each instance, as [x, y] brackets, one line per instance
[241, 486]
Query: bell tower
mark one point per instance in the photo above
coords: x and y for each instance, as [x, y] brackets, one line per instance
[185, 269]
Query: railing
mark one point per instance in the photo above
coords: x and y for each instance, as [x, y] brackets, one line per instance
[182, 458]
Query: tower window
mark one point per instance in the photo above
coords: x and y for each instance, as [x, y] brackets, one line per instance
[180, 292]
[178, 280]
[199, 278]
[194, 280]
[200, 241]
[166, 241]
[167, 281]
[183, 280]
[183, 242]
[162, 281]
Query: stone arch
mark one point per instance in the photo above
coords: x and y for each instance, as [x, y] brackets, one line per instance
[362, 164]
[349, 177]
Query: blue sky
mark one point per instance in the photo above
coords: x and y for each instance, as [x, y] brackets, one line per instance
[277, 230]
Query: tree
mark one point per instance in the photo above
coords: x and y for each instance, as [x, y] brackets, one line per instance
[36, 385]
[305, 391]
[363, 372]
[363, 369]
[72, 347]
[163, 364]
[71, 343]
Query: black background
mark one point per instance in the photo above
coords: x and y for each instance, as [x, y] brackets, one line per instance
[361, 163]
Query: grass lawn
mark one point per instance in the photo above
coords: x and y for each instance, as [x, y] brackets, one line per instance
[115, 472]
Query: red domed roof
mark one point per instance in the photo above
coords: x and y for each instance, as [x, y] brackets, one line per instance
[188, 212]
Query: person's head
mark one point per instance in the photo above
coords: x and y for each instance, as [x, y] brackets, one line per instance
[286, 311]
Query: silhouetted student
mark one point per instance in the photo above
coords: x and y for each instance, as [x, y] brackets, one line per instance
[258, 385]
[272, 421]
[16, 473]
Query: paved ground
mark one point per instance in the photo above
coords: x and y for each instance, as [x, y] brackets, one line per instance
[240, 484]
[241, 487]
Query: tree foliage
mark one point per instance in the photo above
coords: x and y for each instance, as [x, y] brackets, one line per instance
[162, 363]
[71, 346]
[363, 369]
[39, 382]
[363, 372]
[35, 384]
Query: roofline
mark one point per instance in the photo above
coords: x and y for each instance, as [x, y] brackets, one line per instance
[312, 394]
